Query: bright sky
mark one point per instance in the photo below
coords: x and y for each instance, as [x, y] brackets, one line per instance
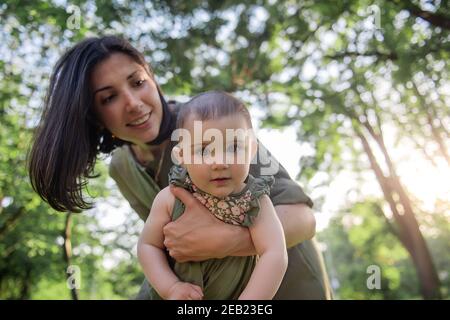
[288, 151]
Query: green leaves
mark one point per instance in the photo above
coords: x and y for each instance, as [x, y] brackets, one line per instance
[358, 238]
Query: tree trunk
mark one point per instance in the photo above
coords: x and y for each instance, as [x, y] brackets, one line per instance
[409, 232]
[11, 221]
[420, 253]
[67, 248]
[25, 290]
[401, 232]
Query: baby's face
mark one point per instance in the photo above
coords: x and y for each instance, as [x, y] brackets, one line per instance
[220, 153]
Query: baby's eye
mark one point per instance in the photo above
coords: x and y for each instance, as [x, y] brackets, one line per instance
[231, 148]
[202, 152]
[235, 148]
[207, 152]
[198, 151]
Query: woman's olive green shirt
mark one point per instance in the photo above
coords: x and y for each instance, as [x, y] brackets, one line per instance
[305, 277]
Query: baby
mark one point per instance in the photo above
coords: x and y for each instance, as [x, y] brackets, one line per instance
[215, 169]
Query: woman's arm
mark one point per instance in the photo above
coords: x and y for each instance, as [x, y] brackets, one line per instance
[268, 238]
[298, 221]
[198, 236]
[150, 250]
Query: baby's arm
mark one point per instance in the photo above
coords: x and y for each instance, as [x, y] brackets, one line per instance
[150, 250]
[268, 238]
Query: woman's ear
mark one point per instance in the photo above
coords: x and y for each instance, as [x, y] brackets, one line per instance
[99, 124]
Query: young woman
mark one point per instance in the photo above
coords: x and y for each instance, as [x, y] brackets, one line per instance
[103, 96]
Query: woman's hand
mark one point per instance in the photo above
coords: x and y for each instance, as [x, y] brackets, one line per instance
[184, 291]
[197, 235]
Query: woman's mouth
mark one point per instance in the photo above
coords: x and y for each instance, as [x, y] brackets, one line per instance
[141, 121]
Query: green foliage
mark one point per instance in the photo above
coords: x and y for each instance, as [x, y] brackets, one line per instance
[361, 238]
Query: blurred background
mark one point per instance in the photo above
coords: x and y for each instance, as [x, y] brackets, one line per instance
[351, 96]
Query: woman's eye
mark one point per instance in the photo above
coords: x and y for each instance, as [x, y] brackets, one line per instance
[139, 83]
[108, 99]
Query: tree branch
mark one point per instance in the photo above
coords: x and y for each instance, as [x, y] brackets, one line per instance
[379, 55]
[435, 19]
[434, 131]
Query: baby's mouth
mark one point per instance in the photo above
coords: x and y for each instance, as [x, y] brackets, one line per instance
[220, 179]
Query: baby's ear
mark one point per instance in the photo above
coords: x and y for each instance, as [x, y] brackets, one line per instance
[177, 155]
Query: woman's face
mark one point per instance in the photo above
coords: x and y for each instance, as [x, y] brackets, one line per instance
[126, 99]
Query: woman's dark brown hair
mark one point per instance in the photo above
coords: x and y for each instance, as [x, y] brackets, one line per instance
[68, 137]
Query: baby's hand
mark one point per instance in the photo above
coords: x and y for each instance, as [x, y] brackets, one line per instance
[184, 291]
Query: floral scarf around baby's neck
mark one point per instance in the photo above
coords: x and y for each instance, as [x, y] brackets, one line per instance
[238, 209]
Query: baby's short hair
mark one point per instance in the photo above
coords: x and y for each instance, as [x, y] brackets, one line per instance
[212, 105]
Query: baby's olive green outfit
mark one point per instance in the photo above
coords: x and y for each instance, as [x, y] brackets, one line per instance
[305, 277]
[224, 278]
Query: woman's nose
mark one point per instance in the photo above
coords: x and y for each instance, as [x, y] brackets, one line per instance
[132, 102]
